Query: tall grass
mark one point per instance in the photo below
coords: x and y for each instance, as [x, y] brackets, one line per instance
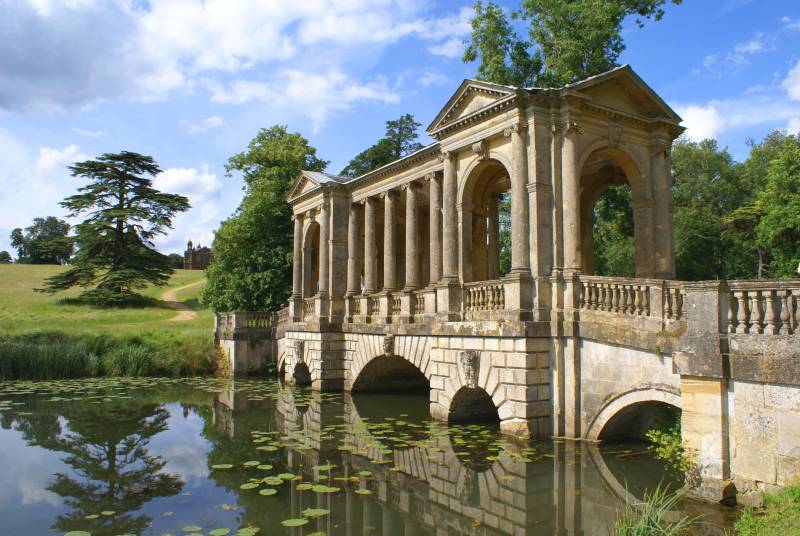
[56, 355]
[654, 516]
[781, 515]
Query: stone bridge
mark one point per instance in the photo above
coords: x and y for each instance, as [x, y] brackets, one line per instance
[524, 334]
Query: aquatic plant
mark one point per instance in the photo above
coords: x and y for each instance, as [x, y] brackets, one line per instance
[654, 516]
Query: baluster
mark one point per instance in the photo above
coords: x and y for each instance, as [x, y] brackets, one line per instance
[630, 299]
[731, 313]
[668, 303]
[742, 313]
[592, 296]
[756, 316]
[614, 298]
[637, 300]
[769, 313]
[583, 296]
[607, 298]
[678, 309]
[786, 302]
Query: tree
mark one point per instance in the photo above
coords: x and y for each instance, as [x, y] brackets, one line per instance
[5, 257]
[567, 41]
[253, 248]
[614, 248]
[400, 140]
[124, 214]
[46, 241]
[176, 260]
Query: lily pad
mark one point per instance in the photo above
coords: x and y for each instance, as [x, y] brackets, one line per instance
[78, 533]
[315, 512]
[264, 467]
[267, 491]
[319, 488]
[298, 522]
[107, 513]
[248, 485]
[363, 492]
[192, 528]
[286, 476]
[273, 481]
[305, 486]
[219, 532]
[251, 463]
[221, 466]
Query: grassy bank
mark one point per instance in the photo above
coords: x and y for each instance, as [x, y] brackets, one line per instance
[43, 336]
[781, 515]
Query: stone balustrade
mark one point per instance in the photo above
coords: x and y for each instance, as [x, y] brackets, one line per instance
[309, 308]
[629, 297]
[283, 316]
[483, 298]
[763, 307]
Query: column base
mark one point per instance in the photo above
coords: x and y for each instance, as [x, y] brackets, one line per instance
[518, 290]
[448, 301]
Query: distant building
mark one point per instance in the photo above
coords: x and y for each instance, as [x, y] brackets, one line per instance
[196, 258]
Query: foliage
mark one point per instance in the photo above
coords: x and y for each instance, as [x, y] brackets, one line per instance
[567, 41]
[666, 441]
[780, 516]
[176, 260]
[124, 214]
[399, 141]
[654, 516]
[5, 257]
[253, 248]
[614, 249]
[46, 241]
[504, 234]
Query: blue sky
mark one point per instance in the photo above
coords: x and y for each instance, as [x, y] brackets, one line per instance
[190, 82]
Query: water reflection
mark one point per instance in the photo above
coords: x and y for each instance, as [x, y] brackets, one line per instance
[378, 464]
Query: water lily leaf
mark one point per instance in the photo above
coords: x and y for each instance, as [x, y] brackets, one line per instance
[267, 491]
[286, 476]
[273, 481]
[91, 516]
[251, 463]
[248, 485]
[364, 473]
[107, 513]
[78, 533]
[319, 488]
[192, 528]
[248, 531]
[315, 512]
[305, 486]
[299, 522]
[222, 466]
[264, 467]
[363, 492]
[219, 532]
[326, 467]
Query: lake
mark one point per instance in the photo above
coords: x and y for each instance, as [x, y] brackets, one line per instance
[213, 456]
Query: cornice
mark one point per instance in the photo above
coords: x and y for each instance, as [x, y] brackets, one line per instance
[495, 108]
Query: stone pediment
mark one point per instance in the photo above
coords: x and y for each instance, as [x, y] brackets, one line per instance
[622, 90]
[472, 97]
[302, 185]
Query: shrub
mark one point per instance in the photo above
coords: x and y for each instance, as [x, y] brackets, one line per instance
[653, 517]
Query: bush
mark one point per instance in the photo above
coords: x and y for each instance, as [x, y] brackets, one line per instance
[56, 355]
[666, 441]
[650, 518]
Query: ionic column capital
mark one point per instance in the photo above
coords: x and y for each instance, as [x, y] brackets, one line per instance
[391, 194]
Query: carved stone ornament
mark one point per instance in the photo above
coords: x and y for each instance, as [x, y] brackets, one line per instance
[659, 147]
[614, 134]
[479, 148]
[298, 352]
[470, 361]
[388, 345]
[443, 155]
[573, 125]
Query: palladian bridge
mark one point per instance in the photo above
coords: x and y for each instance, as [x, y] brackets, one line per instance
[400, 282]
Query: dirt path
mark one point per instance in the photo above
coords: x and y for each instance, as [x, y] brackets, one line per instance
[170, 297]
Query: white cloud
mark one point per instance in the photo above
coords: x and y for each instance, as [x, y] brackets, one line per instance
[191, 182]
[792, 83]
[790, 24]
[214, 121]
[316, 94]
[742, 51]
[793, 126]
[58, 159]
[701, 122]
[452, 48]
[80, 52]
[432, 78]
[90, 133]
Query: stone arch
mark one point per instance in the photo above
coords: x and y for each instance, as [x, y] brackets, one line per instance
[472, 404]
[311, 259]
[485, 182]
[413, 349]
[472, 373]
[602, 166]
[630, 399]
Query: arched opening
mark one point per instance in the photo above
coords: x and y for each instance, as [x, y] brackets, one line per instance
[282, 372]
[632, 422]
[390, 374]
[613, 241]
[301, 374]
[486, 223]
[472, 405]
[311, 261]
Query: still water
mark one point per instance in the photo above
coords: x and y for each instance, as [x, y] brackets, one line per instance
[210, 456]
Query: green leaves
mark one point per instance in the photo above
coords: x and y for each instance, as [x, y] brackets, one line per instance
[400, 140]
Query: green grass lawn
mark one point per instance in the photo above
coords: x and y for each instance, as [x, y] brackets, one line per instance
[22, 310]
[50, 336]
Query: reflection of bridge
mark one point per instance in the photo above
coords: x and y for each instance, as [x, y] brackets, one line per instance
[546, 349]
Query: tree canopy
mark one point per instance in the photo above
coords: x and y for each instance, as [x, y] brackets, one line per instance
[46, 241]
[399, 141]
[5, 257]
[124, 213]
[253, 248]
[566, 40]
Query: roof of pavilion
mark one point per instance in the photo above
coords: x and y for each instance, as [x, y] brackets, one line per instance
[475, 99]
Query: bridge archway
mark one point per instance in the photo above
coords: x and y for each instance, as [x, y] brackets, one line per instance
[390, 373]
[614, 174]
[301, 374]
[472, 404]
[311, 260]
[631, 414]
[485, 216]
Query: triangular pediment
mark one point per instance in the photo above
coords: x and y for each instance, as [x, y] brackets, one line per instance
[303, 184]
[622, 90]
[471, 97]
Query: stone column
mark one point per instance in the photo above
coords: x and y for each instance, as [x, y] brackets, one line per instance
[297, 258]
[324, 246]
[662, 192]
[389, 250]
[435, 225]
[370, 248]
[412, 239]
[449, 220]
[520, 221]
[353, 253]
[493, 264]
[571, 187]
[643, 238]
